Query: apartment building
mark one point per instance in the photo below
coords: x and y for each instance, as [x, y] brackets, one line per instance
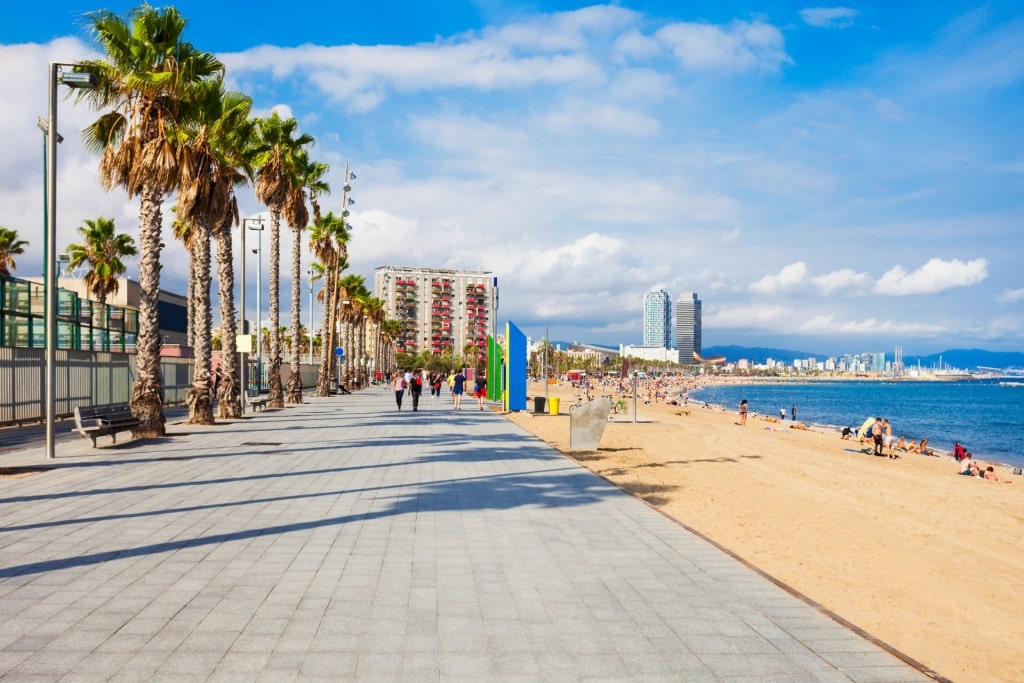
[441, 310]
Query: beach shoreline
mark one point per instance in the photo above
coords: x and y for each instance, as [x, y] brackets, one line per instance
[908, 550]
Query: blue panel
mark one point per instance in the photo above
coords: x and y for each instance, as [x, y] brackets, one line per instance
[515, 367]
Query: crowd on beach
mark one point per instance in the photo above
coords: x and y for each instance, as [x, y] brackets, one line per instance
[675, 390]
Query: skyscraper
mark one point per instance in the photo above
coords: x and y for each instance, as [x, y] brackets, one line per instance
[658, 319]
[688, 326]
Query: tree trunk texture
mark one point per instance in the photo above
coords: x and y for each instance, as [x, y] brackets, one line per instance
[323, 383]
[229, 405]
[295, 381]
[275, 397]
[199, 397]
[147, 401]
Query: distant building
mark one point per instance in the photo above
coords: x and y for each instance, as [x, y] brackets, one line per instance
[172, 308]
[441, 310]
[658, 319]
[688, 327]
[655, 353]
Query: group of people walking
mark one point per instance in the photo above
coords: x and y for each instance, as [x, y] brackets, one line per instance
[413, 381]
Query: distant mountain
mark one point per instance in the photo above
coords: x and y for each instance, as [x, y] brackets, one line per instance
[964, 359]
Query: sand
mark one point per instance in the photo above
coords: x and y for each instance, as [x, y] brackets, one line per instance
[921, 558]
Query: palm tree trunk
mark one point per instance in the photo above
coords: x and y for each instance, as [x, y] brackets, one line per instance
[147, 401]
[323, 384]
[228, 395]
[295, 381]
[275, 398]
[199, 397]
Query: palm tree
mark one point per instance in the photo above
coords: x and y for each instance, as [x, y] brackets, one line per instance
[10, 246]
[103, 250]
[311, 175]
[238, 147]
[327, 240]
[276, 179]
[351, 290]
[392, 331]
[206, 201]
[146, 77]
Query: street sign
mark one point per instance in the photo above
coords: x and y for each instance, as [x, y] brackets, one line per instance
[339, 351]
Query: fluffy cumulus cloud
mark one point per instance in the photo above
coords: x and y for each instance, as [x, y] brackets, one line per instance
[740, 46]
[829, 17]
[789, 277]
[933, 277]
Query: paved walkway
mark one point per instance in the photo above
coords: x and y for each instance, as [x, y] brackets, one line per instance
[343, 540]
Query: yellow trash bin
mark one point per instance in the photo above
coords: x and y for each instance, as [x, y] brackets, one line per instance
[553, 402]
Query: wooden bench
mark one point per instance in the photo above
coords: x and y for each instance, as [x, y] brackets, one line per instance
[100, 420]
[255, 399]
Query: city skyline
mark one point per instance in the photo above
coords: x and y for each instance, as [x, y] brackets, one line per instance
[826, 176]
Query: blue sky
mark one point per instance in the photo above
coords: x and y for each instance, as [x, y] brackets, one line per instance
[828, 177]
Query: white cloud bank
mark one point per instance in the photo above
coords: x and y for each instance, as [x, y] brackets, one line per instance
[933, 277]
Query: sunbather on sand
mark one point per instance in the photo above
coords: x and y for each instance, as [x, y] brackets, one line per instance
[990, 475]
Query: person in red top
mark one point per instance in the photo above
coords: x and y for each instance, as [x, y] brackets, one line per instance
[416, 389]
[480, 390]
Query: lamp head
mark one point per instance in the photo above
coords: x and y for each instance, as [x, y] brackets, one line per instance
[79, 79]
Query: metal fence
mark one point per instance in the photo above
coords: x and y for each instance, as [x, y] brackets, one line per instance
[89, 378]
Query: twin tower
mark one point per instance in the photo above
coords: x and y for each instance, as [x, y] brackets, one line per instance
[658, 322]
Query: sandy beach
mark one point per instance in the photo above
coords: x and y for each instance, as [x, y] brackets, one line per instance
[917, 556]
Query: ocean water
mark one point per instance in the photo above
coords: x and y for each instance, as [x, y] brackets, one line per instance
[986, 416]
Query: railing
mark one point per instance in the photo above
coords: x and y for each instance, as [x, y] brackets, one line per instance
[90, 377]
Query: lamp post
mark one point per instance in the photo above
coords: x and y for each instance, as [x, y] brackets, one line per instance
[72, 80]
[309, 273]
[258, 227]
[243, 371]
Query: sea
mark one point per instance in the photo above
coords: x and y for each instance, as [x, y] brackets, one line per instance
[985, 416]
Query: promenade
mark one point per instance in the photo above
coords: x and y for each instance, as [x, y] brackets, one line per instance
[344, 540]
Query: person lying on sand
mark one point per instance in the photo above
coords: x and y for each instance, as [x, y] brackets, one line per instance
[801, 426]
[990, 475]
[912, 447]
[769, 418]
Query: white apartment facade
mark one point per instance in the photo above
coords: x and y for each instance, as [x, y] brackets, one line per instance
[441, 310]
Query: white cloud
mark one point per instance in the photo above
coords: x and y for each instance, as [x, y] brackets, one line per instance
[933, 277]
[789, 277]
[635, 45]
[828, 325]
[739, 47]
[1011, 296]
[846, 278]
[829, 17]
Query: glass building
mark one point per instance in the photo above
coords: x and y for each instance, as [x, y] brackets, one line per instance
[688, 327]
[658, 319]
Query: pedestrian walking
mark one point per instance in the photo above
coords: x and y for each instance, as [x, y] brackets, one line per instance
[398, 384]
[480, 390]
[458, 385]
[416, 389]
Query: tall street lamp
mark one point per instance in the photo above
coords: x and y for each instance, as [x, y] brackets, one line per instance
[72, 79]
[309, 273]
[258, 227]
